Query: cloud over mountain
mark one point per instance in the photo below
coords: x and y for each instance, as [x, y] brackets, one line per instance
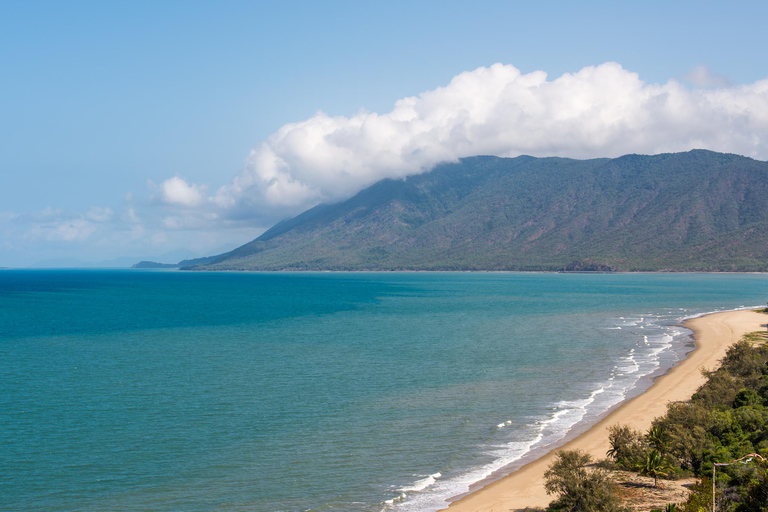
[599, 111]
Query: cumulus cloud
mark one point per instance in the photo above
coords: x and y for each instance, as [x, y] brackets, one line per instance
[178, 192]
[599, 111]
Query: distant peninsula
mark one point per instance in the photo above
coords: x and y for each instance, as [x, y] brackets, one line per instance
[154, 264]
[693, 211]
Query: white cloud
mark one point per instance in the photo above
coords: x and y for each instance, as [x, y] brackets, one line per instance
[600, 111]
[177, 191]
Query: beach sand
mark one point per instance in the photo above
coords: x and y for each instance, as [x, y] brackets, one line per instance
[714, 333]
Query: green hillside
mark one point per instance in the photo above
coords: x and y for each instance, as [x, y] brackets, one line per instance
[694, 211]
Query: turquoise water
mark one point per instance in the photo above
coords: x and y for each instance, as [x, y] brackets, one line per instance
[141, 390]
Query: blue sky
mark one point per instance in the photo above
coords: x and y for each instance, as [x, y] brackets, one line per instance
[105, 104]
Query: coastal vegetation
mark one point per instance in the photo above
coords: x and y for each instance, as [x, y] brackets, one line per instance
[694, 211]
[724, 421]
[579, 488]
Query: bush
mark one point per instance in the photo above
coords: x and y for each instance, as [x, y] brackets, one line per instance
[719, 391]
[747, 397]
[743, 360]
[726, 419]
[627, 446]
[756, 495]
[577, 488]
[700, 497]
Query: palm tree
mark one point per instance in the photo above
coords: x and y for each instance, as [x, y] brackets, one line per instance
[654, 465]
[657, 437]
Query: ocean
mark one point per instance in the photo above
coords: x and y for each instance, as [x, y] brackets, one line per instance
[126, 390]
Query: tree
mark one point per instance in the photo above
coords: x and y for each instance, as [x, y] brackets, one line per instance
[579, 489]
[626, 445]
[654, 465]
[657, 437]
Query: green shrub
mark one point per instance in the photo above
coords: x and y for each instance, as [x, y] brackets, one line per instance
[690, 441]
[719, 391]
[725, 419]
[700, 498]
[627, 446]
[755, 496]
[747, 397]
[577, 488]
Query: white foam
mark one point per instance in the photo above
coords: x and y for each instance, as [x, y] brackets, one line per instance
[422, 484]
[389, 503]
[429, 494]
[433, 498]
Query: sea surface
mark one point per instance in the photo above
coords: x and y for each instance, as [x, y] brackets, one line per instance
[366, 392]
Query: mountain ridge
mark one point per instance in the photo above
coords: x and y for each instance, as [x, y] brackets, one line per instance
[692, 211]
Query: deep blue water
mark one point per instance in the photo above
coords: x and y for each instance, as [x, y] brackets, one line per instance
[141, 390]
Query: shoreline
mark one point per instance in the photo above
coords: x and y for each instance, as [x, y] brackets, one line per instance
[713, 334]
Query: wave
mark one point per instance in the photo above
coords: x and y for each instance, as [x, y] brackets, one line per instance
[652, 351]
[422, 484]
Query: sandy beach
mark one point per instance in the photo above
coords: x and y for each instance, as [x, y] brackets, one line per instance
[714, 333]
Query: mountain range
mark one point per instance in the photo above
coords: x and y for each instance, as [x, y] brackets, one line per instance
[693, 211]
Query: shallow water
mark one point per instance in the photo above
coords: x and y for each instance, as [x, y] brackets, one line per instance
[142, 390]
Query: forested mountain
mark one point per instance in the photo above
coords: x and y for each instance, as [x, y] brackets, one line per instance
[691, 211]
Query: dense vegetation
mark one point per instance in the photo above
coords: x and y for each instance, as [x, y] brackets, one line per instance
[686, 211]
[725, 420]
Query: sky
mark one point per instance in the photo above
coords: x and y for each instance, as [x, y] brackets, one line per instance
[169, 129]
